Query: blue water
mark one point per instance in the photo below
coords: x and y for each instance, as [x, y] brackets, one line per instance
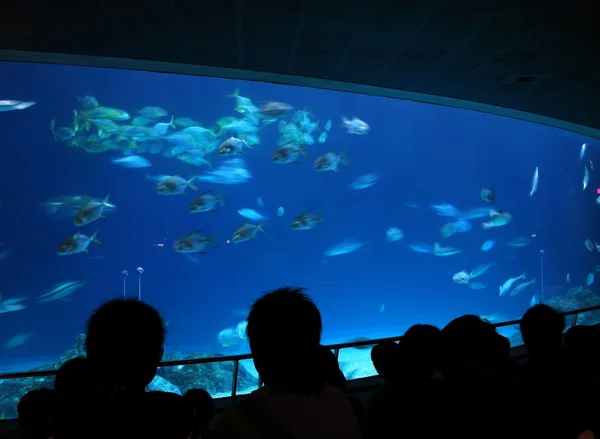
[424, 155]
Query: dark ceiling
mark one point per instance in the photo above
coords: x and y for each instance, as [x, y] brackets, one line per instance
[535, 56]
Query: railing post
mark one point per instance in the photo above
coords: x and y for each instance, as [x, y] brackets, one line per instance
[576, 315]
[236, 368]
[336, 352]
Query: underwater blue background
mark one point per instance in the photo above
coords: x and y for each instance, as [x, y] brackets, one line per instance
[424, 154]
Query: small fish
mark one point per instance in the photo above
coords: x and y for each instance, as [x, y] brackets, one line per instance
[273, 109]
[534, 182]
[288, 153]
[206, 202]
[307, 221]
[251, 214]
[247, 232]
[132, 161]
[438, 250]
[568, 278]
[10, 105]
[519, 288]
[355, 126]
[60, 291]
[174, 185]
[343, 248]
[91, 211]
[497, 219]
[364, 181]
[330, 161]
[582, 151]
[394, 234]
[505, 288]
[535, 300]
[589, 245]
[77, 243]
[488, 245]
[233, 146]
[488, 195]
[194, 243]
[586, 177]
[17, 340]
[590, 279]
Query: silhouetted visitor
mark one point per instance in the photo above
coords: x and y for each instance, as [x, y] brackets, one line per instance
[284, 333]
[36, 411]
[125, 342]
[203, 407]
[385, 357]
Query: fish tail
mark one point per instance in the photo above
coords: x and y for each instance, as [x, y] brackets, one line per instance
[245, 142]
[94, 238]
[220, 199]
[301, 150]
[191, 184]
[235, 94]
[210, 239]
[260, 228]
[344, 157]
[172, 123]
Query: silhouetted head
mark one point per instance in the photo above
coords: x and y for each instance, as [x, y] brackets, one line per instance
[470, 346]
[284, 333]
[124, 342]
[541, 329]
[36, 410]
[386, 359]
[419, 347]
[330, 368]
[203, 406]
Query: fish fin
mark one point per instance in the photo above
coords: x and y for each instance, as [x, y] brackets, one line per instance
[76, 234]
[171, 122]
[94, 239]
[260, 228]
[102, 217]
[336, 170]
[220, 199]
[301, 151]
[191, 184]
[106, 199]
[485, 225]
[245, 142]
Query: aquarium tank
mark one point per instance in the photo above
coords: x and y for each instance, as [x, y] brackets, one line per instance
[199, 194]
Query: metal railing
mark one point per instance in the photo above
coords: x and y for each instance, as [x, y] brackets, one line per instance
[237, 358]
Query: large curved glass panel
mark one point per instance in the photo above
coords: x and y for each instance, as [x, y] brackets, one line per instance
[390, 212]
